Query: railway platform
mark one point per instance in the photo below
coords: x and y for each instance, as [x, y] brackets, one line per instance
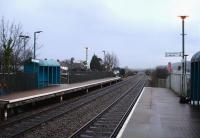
[158, 114]
[21, 98]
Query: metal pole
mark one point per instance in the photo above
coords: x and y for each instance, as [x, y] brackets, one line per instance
[182, 98]
[34, 43]
[183, 53]
[68, 76]
[86, 56]
[186, 64]
[104, 55]
[24, 37]
[185, 81]
[24, 49]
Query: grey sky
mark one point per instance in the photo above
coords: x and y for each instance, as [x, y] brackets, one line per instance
[138, 31]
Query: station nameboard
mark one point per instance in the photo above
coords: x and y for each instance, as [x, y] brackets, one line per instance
[173, 54]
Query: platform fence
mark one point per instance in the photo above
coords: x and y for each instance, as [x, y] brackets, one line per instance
[16, 82]
[174, 82]
[75, 77]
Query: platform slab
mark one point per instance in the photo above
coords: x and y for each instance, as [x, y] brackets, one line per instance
[158, 114]
[53, 90]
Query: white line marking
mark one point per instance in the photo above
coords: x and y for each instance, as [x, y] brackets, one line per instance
[129, 116]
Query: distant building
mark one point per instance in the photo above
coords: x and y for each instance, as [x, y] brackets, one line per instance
[73, 66]
[176, 67]
[116, 71]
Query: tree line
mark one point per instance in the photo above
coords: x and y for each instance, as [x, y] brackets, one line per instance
[12, 47]
[109, 63]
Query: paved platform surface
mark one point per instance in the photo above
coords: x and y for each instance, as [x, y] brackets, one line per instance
[25, 95]
[158, 114]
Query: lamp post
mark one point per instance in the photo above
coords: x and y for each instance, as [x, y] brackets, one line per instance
[185, 64]
[86, 56]
[104, 55]
[37, 32]
[24, 38]
[182, 98]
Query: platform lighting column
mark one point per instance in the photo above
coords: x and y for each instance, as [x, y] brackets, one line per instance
[186, 64]
[24, 38]
[183, 55]
[104, 55]
[86, 56]
[37, 32]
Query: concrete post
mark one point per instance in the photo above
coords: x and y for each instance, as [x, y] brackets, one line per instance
[61, 98]
[5, 112]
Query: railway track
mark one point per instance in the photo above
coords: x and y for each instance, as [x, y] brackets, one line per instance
[20, 126]
[108, 122]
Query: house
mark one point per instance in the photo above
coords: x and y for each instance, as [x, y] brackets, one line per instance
[72, 66]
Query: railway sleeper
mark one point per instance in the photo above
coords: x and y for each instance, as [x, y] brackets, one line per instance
[97, 133]
[107, 126]
[117, 110]
[103, 125]
[115, 117]
[108, 121]
[102, 129]
[112, 115]
[85, 136]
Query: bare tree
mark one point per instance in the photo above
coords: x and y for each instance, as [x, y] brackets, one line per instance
[1, 58]
[111, 61]
[12, 46]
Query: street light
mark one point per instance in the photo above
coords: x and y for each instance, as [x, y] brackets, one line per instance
[185, 63]
[86, 56]
[24, 38]
[104, 55]
[183, 56]
[37, 32]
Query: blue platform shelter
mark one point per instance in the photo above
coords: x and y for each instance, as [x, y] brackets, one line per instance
[195, 78]
[47, 72]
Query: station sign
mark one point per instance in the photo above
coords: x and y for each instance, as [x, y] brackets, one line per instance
[35, 60]
[173, 54]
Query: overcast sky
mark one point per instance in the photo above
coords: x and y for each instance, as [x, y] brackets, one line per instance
[139, 32]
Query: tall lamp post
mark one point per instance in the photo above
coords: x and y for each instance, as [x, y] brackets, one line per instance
[24, 38]
[104, 55]
[37, 32]
[86, 56]
[185, 64]
[182, 98]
